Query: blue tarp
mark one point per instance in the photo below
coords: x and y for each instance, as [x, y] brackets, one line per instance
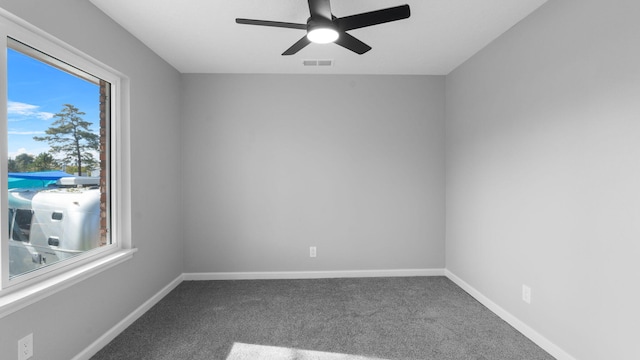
[34, 179]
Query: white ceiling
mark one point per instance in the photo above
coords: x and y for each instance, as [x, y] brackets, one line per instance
[201, 36]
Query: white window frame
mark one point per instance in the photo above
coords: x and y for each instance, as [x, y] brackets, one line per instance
[18, 292]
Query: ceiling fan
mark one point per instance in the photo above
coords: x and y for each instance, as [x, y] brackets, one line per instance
[323, 27]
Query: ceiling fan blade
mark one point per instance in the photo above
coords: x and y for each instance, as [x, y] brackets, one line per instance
[297, 46]
[320, 8]
[373, 18]
[272, 23]
[349, 42]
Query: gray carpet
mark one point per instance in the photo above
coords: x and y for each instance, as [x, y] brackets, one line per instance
[363, 319]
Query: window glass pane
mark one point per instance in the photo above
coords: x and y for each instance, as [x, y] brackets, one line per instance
[58, 165]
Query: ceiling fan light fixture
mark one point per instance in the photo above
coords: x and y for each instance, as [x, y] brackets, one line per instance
[321, 31]
[322, 35]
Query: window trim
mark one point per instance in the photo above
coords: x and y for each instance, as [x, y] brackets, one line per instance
[31, 287]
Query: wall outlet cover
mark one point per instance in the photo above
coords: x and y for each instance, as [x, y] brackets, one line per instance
[526, 294]
[25, 347]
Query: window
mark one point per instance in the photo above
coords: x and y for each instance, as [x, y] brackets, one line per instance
[58, 154]
[63, 166]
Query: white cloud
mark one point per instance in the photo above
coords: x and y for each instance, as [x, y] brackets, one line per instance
[13, 154]
[31, 151]
[18, 111]
[12, 132]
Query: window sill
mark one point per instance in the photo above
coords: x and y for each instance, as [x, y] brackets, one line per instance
[19, 299]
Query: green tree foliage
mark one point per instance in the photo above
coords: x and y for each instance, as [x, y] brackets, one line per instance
[23, 162]
[29, 163]
[70, 169]
[12, 166]
[44, 162]
[70, 137]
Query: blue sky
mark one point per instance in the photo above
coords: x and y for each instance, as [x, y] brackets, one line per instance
[36, 91]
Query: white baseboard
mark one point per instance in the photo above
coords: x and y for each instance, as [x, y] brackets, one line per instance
[272, 275]
[103, 340]
[525, 329]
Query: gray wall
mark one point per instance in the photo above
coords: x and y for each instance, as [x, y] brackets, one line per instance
[66, 323]
[274, 164]
[543, 174]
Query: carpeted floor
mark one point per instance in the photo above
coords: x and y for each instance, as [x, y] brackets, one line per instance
[367, 318]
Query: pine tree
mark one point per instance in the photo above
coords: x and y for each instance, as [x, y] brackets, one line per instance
[69, 135]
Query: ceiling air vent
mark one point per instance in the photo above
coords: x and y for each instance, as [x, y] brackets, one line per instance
[317, 62]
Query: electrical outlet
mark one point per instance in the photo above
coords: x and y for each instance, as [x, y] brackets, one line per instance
[312, 251]
[526, 294]
[25, 347]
